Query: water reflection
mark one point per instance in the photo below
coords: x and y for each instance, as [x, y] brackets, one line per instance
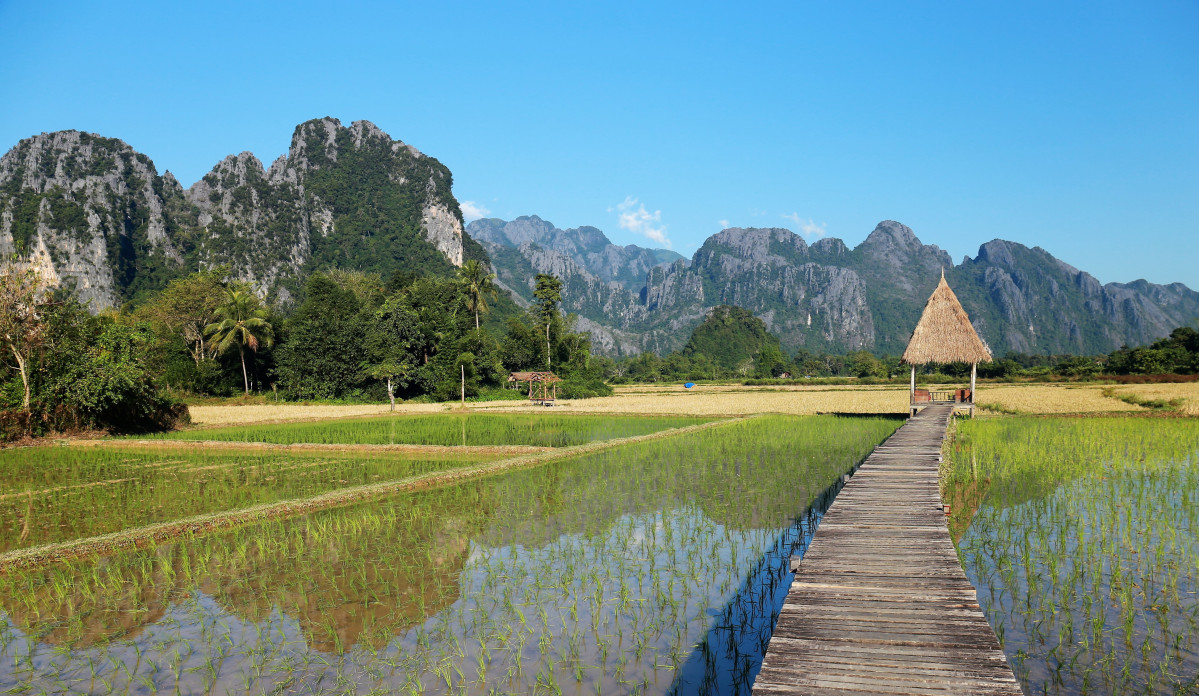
[630, 570]
[1093, 586]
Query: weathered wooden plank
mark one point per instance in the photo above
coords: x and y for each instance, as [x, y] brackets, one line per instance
[879, 603]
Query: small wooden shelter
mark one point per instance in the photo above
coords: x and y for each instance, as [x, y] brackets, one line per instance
[543, 386]
[944, 334]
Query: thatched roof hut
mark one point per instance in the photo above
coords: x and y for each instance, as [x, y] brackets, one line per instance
[547, 380]
[944, 333]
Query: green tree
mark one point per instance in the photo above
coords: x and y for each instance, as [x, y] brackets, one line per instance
[770, 361]
[519, 347]
[325, 351]
[548, 292]
[241, 323]
[863, 364]
[390, 341]
[187, 306]
[478, 285]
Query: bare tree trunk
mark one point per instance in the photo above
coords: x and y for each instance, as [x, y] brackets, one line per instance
[391, 393]
[476, 320]
[242, 352]
[24, 375]
[547, 345]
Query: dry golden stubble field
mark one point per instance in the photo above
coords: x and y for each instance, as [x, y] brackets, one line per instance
[1051, 398]
[735, 399]
[1187, 392]
[214, 415]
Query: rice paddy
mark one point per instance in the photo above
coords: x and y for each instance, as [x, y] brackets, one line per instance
[1084, 548]
[53, 494]
[637, 568]
[469, 429]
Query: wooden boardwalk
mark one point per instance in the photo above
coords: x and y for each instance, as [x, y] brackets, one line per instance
[880, 604]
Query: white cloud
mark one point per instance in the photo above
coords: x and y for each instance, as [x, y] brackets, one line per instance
[809, 228]
[473, 211]
[724, 224]
[636, 219]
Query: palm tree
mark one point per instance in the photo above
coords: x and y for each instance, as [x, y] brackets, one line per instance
[241, 322]
[478, 286]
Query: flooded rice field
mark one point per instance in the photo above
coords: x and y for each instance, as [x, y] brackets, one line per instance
[1082, 538]
[651, 567]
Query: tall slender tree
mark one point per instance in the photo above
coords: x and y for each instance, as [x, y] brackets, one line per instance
[241, 323]
[548, 292]
[478, 285]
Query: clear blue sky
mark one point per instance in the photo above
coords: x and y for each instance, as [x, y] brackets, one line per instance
[1073, 126]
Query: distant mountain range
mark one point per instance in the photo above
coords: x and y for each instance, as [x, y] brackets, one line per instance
[92, 212]
[826, 296]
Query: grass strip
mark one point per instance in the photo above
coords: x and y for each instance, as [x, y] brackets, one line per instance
[23, 559]
[191, 445]
[1155, 404]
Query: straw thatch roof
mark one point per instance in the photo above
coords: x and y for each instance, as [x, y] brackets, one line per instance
[944, 333]
[534, 377]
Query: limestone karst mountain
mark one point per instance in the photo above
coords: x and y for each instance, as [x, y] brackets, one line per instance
[826, 296]
[93, 212]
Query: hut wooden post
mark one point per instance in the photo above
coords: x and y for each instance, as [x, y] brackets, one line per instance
[912, 389]
[973, 376]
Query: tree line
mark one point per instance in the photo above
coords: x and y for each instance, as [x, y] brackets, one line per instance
[354, 336]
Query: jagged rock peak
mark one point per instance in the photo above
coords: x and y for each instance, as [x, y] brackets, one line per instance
[758, 243]
[243, 167]
[320, 136]
[830, 246]
[997, 252]
[892, 234]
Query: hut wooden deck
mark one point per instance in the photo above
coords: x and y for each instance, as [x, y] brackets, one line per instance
[880, 604]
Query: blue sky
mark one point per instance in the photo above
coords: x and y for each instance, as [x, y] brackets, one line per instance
[1072, 126]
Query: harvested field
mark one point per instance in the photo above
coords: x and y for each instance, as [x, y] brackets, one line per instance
[208, 415]
[1051, 398]
[730, 399]
[1186, 393]
[746, 400]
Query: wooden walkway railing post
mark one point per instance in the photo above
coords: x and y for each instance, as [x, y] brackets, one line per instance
[880, 604]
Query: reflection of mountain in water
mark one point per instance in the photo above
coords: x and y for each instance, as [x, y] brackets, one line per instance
[611, 566]
[344, 575]
[744, 476]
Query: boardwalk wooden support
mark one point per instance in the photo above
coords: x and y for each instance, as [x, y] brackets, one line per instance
[880, 604]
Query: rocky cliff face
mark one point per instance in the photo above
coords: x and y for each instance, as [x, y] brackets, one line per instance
[93, 212]
[88, 211]
[829, 297]
[1026, 300]
[586, 246]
